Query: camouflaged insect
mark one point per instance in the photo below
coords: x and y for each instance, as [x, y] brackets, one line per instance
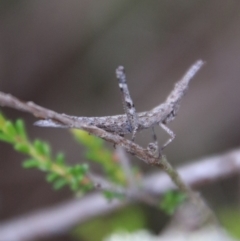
[132, 122]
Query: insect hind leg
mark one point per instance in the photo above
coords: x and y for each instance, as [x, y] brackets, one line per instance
[170, 132]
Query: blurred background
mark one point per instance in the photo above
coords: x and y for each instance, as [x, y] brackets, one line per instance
[63, 55]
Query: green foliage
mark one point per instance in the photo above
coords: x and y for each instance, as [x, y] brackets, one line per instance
[97, 152]
[230, 219]
[40, 157]
[171, 200]
[128, 219]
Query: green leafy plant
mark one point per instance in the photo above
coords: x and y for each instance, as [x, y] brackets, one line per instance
[96, 151]
[129, 219]
[171, 200]
[40, 157]
[58, 172]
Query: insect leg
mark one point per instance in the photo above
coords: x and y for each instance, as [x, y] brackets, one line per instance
[128, 105]
[170, 132]
[153, 146]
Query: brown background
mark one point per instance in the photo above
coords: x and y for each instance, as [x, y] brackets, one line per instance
[63, 55]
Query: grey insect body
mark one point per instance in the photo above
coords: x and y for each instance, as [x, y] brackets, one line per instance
[132, 122]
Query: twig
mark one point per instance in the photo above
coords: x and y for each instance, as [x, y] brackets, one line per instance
[143, 154]
[40, 112]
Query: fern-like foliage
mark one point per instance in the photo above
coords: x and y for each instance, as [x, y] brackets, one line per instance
[39, 155]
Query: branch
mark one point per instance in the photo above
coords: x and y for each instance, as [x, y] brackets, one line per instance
[199, 173]
[143, 154]
[131, 147]
[41, 112]
[61, 218]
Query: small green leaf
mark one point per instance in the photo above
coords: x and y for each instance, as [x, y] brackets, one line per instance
[60, 158]
[30, 163]
[80, 169]
[38, 145]
[6, 138]
[74, 186]
[171, 200]
[22, 147]
[46, 148]
[9, 128]
[51, 177]
[20, 127]
[59, 183]
[45, 166]
[42, 147]
[84, 168]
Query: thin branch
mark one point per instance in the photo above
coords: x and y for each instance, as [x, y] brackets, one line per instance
[131, 147]
[59, 219]
[56, 220]
[41, 112]
[143, 154]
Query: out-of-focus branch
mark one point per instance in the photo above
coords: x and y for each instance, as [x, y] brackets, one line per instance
[61, 218]
[198, 172]
[56, 220]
